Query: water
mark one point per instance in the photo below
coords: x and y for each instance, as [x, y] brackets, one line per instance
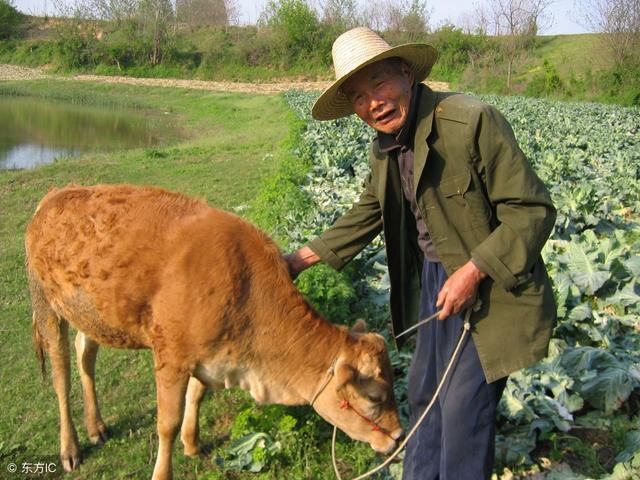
[35, 131]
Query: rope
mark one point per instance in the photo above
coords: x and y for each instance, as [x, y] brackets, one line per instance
[330, 373]
[421, 322]
[465, 330]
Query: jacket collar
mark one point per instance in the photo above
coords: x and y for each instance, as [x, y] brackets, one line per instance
[423, 130]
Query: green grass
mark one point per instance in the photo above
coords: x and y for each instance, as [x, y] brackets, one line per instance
[232, 142]
[573, 54]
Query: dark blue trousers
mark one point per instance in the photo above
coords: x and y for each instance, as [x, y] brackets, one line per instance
[456, 439]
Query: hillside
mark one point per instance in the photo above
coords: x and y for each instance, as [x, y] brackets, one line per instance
[573, 67]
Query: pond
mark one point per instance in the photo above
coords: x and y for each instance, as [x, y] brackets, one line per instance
[35, 131]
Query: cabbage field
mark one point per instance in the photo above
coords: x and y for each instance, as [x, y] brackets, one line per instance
[589, 157]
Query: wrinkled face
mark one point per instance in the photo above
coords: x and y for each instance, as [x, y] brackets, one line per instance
[380, 94]
[360, 396]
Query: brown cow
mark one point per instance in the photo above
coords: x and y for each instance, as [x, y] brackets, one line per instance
[136, 267]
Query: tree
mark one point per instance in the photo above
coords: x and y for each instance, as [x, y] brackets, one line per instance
[202, 12]
[10, 19]
[371, 15]
[619, 23]
[340, 14]
[410, 17]
[117, 10]
[517, 22]
[416, 19]
[294, 25]
[155, 18]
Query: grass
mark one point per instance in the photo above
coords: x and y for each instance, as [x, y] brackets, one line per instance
[573, 54]
[232, 142]
[574, 57]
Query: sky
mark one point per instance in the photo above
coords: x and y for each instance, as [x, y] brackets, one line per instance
[564, 20]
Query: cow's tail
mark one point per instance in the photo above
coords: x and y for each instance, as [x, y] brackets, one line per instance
[39, 346]
[38, 305]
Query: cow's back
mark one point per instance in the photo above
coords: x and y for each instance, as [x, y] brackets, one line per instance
[101, 254]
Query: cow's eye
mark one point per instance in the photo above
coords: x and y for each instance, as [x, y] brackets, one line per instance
[375, 398]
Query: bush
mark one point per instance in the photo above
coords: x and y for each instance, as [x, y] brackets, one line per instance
[123, 48]
[77, 45]
[10, 20]
[330, 292]
[296, 34]
[456, 51]
[620, 84]
[33, 53]
[545, 84]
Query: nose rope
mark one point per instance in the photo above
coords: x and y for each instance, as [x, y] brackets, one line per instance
[330, 373]
[345, 404]
[465, 330]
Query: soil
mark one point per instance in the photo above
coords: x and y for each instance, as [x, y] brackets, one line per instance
[600, 441]
[14, 72]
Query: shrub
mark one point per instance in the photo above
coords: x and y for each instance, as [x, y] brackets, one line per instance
[620, 84]
[296, 34]
[76, 44]
[545, 84]
[456, 51]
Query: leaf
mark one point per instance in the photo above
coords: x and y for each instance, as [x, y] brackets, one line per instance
[594, 419]
[609, 390]
[632, 264]
[628, 296]
[515, 408]
[514, 447]
[580, 312]
[243, 451]
[565, 473]
[580, 360]
[631, 446]
[584, 272]
[626, 470]
[602, 380]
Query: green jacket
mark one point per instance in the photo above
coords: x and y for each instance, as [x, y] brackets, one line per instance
[480, 199]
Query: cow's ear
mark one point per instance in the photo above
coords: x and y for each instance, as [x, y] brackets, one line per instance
[344, 374]
[359, 327]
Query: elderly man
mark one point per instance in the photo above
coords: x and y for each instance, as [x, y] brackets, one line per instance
[464, 216]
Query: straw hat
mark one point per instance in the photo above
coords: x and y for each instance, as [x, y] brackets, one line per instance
[354, 50]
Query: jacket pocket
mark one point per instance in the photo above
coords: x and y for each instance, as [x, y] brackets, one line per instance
[456, 185]
[466, 205]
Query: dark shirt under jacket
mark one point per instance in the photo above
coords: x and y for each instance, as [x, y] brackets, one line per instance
[400, 148]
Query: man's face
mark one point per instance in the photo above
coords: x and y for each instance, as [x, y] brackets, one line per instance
[380, 94]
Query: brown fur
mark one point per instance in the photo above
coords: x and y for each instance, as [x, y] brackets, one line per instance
[134, 267]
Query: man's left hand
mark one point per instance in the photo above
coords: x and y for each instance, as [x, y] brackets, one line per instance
[460, 290]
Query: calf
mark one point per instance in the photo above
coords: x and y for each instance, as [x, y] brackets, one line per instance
[209, 294]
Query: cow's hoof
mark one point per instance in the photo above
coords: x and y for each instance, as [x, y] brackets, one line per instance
[192, 450]
[99, 436]
[70, 462]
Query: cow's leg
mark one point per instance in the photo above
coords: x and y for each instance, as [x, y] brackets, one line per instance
[171, 386]
[86, 352]
[52, 334]
[189, 433]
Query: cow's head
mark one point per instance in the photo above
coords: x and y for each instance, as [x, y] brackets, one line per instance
[358, 398]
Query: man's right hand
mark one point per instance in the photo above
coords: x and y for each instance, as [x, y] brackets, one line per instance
[300, 260]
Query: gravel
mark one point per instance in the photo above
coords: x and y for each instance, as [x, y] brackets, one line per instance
[15, 73]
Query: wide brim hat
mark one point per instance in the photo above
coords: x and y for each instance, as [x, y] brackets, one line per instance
[354, 50]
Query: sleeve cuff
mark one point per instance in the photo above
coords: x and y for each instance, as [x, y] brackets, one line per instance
[327, 255]
[492, 266]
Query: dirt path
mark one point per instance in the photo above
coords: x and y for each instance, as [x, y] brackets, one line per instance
[14, 72]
